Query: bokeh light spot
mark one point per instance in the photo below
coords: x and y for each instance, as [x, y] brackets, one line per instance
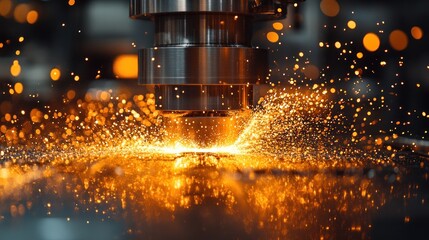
[19, 88]
[32, 17]
[398, 40]
[351, 24]
[359, 55]
[337, 45]
[371, 42]
[55, 74]
[5, 7]
[15, 69]
[126, 66]
[278, 26]
[273, 37]
[417, 32]
[330, 8]
[312, 72]
[20, 13]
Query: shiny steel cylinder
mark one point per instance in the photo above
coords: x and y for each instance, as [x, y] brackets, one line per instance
[206, 43]
[202, 66]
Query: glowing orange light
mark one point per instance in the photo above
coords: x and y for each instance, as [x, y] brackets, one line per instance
[273, 37]
[19, 88]
[55, 74]
[105, 96]
[15, 69]
[126, 66]
[36, 115]
[20, 13]
[32, 17]
[371, 42]
[330, 8]
[351, 24]
[417, 33]
[71, 2]
[278, 26]
[359, 55]
[398, 40]
[5, 7]
[71, 94]
[337, 45]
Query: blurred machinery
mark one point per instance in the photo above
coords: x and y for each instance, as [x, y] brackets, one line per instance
[202, 67]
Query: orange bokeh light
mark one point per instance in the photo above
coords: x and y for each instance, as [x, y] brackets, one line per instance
[273, 37]
[398, 40]
[330, 8]
[417, 32]
[126, 66]
[371, 42]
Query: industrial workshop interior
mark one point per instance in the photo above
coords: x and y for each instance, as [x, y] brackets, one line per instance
[214, 119]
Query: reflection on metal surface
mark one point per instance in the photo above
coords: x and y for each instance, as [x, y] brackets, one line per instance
[208, 196]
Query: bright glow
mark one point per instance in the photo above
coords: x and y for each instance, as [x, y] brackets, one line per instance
[371, 42]
[71, 2]
[126, 66]
[55, 74]
[178, 149]
[351, 24]
[398, 40]
[278, 26]
[337, 45]
[15, 69]
[32, 17]
[273, 37]
[19, 88]
[417, 32]
[359, 55]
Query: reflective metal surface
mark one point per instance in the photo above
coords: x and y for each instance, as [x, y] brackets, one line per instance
[203, 29]
[203, 66]
[203, 43]
[203, 97]
[144, 8]
[202, 59]
[137, 195]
